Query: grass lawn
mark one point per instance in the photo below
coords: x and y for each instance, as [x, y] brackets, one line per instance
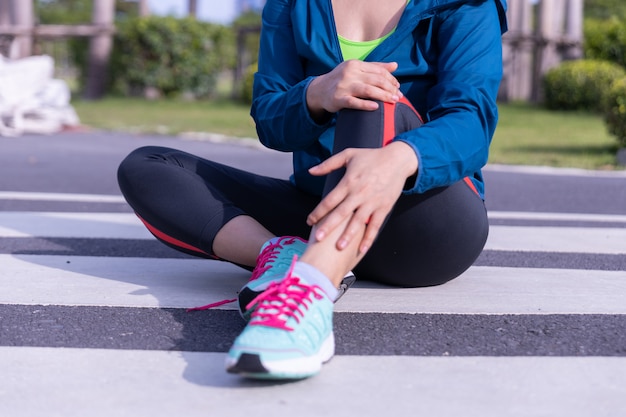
[169, 117]
[526, 135]
[529, 135]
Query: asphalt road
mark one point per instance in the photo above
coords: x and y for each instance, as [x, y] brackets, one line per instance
[551, 284]
[86, 163]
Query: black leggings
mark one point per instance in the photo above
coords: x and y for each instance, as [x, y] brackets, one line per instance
[185, 200]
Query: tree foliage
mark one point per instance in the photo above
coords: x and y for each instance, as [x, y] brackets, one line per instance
[73, 12]
[170, 55]
[63, 12]
[605, 9]
[606, 40]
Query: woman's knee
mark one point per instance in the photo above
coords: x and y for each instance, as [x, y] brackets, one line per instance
[429, 241]
[139, 160]
[135, 171]
[134, 158]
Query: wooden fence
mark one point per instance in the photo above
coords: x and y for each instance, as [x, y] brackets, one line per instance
[541, 35]
[17, 23]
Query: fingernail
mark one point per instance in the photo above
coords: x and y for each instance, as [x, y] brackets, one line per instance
[364, 249]
[320, 235]
[342, 244]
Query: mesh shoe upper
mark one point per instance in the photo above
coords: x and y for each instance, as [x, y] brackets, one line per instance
[272, 264]
[289, 334]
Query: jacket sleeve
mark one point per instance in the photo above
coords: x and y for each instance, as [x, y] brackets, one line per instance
[461, 107]
[279, 109]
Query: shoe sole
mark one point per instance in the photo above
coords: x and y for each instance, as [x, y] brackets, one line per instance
[251, 365]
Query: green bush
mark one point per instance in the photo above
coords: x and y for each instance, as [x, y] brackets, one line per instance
[580, 85]
[248, 81]
[605, 40]
[172, 56]
[615, 115]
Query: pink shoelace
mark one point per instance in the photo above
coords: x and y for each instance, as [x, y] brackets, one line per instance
[269, 254]
[212, 305]
[283, 300]
[263, 263]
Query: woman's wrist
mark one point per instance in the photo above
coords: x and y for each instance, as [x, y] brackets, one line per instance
[313, 102]
[406, 157]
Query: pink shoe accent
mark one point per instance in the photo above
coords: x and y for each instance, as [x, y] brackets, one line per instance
[269, 254]
[282, 300]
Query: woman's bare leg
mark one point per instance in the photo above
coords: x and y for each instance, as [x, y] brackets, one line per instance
[240, 240]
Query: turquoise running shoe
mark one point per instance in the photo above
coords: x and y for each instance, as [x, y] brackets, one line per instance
[272, 264]
[290, 333]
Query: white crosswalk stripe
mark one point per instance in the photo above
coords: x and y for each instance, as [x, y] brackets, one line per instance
[195, 382]
[177, 283]
[127, 226]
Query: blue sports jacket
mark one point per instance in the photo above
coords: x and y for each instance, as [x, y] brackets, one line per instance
[449, 54]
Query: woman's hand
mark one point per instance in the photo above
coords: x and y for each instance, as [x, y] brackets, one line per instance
[353, 84]
[370, 187]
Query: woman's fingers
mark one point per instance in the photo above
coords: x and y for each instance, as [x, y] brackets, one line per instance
[372, 81]
[365, 195]
[355, 226]
[354, 84]
[329, 211]
[339, 160]
[333, 219]
[372, 228]
[363, 223]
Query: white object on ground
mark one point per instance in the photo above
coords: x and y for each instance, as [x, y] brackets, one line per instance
[31, 100]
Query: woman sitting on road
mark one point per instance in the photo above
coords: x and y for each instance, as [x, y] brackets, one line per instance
[389, 109]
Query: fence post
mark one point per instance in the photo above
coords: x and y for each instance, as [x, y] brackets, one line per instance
[143, 8]
[574, 30]
[518, 52]
[546, 47]
[5, 12]
[6, 40]
[24, 20]
[100, 48]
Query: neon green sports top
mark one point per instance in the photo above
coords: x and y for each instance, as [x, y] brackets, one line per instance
[360, 50]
